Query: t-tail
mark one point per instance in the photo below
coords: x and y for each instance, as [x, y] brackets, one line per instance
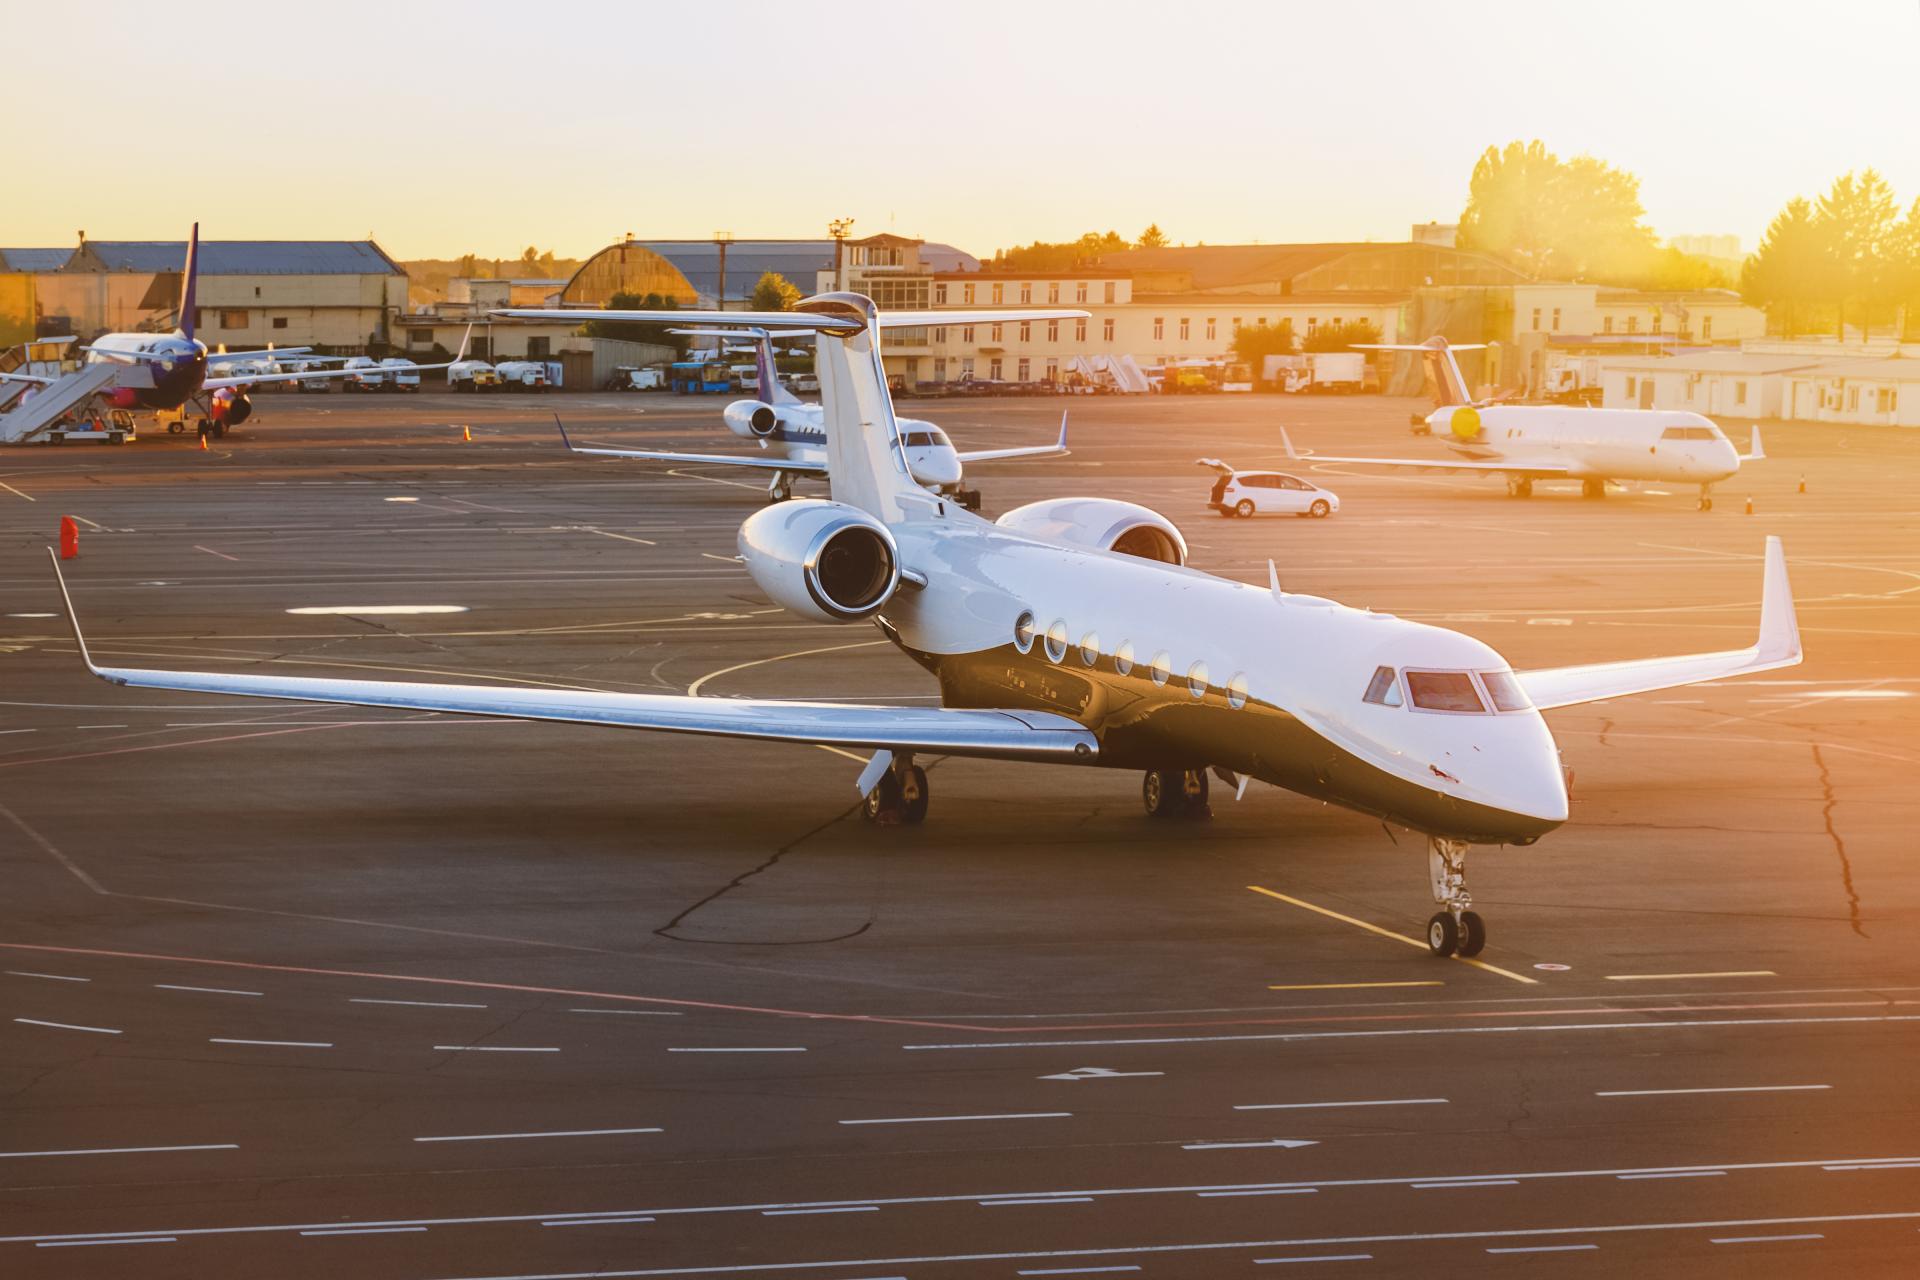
[866, 462]
[190, 286]
[1443, 371]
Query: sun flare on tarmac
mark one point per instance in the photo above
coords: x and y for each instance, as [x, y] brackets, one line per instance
[771, 664]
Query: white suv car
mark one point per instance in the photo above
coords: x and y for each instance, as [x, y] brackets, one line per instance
[1267, 493]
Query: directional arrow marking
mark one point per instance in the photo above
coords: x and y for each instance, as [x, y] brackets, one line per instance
[1100, 1073]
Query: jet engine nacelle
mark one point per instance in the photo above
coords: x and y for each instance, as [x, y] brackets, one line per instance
[1105, 524]
[751, 418]
[123, 398]
[231, 406]
[822, 560]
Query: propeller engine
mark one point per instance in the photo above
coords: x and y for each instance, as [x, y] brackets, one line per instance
[751, 418]
[822, 560]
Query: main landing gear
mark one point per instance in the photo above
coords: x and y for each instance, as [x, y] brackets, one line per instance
[900, 796]
[1706, 497]
[1593, 488]
[1454, 930]
[1175, 793]
[1519, 486]
[780, 488]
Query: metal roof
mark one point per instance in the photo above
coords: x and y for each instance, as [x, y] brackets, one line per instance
[246, 257]
[1883, 368]
[35, 260]
[797, 260]
[1712, 362]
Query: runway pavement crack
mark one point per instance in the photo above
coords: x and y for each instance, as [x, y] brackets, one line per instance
[1828, 801]
[667, 930]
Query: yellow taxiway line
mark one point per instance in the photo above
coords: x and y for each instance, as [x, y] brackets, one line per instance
[1388, 933]
[1348, 986]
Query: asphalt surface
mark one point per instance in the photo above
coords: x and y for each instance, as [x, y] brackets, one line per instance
[305, 991]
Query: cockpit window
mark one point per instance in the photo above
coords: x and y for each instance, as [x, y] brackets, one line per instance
[1383, 690]
[921, 439]
[1505, 690]
[1444, 691]
[1691, 433]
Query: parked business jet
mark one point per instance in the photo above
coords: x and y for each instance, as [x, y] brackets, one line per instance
[1526, 443]
[1071, 631]
[165, 371]
[793, 438]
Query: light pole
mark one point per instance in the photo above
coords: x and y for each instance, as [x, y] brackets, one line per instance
[722, 239]
[840, 229]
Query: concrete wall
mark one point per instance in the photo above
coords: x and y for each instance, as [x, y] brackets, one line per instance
[1866, 401]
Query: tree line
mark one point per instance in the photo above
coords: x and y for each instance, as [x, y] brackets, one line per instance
[1846, 257]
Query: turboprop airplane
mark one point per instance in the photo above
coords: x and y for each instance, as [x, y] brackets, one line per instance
[793, 437]
[1072, 631]
[1526, 443]
[165, 371]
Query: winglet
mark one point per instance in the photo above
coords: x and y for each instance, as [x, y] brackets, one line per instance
[1779, 622]
[1288, 441]
[563, 434]
[465, 338]
[73, 619]
[1755, 452]
[1273, 581]
[1063, 431]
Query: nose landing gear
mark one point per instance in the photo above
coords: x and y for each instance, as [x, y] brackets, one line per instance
[1706, 497]
[1455, 930]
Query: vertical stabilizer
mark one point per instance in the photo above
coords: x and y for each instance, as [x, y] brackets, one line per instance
[190, 286]
[772, 391]
[1442, 368]
[866, 462]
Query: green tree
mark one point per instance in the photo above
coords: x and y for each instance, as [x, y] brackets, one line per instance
[1252, 343]
[1670, 268]
[1577, 219]
[1787, 276]
[638, 331]
[1342, 334]
[1152, 238]
[1859, 217]
[774, 292]
[1905, 274]
[1063, 255]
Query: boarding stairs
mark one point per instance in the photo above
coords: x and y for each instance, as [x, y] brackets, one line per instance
[45, 406]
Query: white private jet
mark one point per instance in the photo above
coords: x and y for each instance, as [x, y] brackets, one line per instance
[1070, 631]
[1526, 443]
[792, 433]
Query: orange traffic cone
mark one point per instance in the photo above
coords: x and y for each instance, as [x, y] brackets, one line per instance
[203, 442]
[1749, 504]
[466, 433]
[69, 538]
[1803, 484]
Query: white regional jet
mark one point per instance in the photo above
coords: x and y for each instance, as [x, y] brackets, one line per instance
[1559, 442]
[792, 434]
[1070, 631]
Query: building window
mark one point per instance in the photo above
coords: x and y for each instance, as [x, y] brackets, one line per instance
[939, 295]
[1184, 325]
[1107, 328]
[1080, 330]
[1606, 324]
[1053, 369]
[1659, 318]
[966, 335]
[1739, 393]
[994, 332]
[539, 348]
[1026, 291]
[1025, 369]
[939, 368]
[1889, 399]
[233, 319]
[1536, 319]
[1706, 328]
[279, 322]
[1053, 331]
[1853, 399]
[1210, 325]
[1110, 288]
[1556, 319]
[1313, 322]
[1026, 331]
[993, 368]
[999, 293]
[415, 337]
[966, 294]
[1080, 291]
[1159, 328]
[1633, 387]
[940, 334]
[1633, 324]
[966, 366]
[1053, 291]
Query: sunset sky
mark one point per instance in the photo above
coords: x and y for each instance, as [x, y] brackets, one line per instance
[442, 129]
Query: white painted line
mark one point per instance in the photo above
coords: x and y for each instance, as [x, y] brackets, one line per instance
[424, 1004]
[1859, 1168]
[992, 1204]
[552, 1133]
[1481, 1182]
[1764, 1239]
[362, 1231]
[1074, 1271]
[609, 1221]
[212, 991]
[1669, 977]
[118, 1151]
[78, 1244]
[1312, 1106]
[493, 1048]
[1738, 1088]
[768, 1049]
[1691, 1173]
[380, 609]
[33, 615]
[1014, 1115]
[1324, 1257]
[845, 1208]
[68, 1026]
[56, 977]
[1546, 1248]
[1266, 1191]
[279, 1044]
[634, 1013]
[1230, 1146]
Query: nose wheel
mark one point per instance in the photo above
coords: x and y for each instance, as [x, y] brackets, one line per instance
[1456, 929]
[1706, 497]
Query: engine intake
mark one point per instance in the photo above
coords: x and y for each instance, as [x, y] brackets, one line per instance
[823, 560]
[751, 418]
[1103, 524]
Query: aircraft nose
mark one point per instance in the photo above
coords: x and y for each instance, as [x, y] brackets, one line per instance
[937, 467]
[1533, 784]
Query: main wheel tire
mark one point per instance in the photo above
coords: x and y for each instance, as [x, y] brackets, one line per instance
[1473, 939]
[1706, 504]
[914, 796]
[884, 803]
[1244, 508]
[1319, 509]
[1160, 793]
[1443, 935]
